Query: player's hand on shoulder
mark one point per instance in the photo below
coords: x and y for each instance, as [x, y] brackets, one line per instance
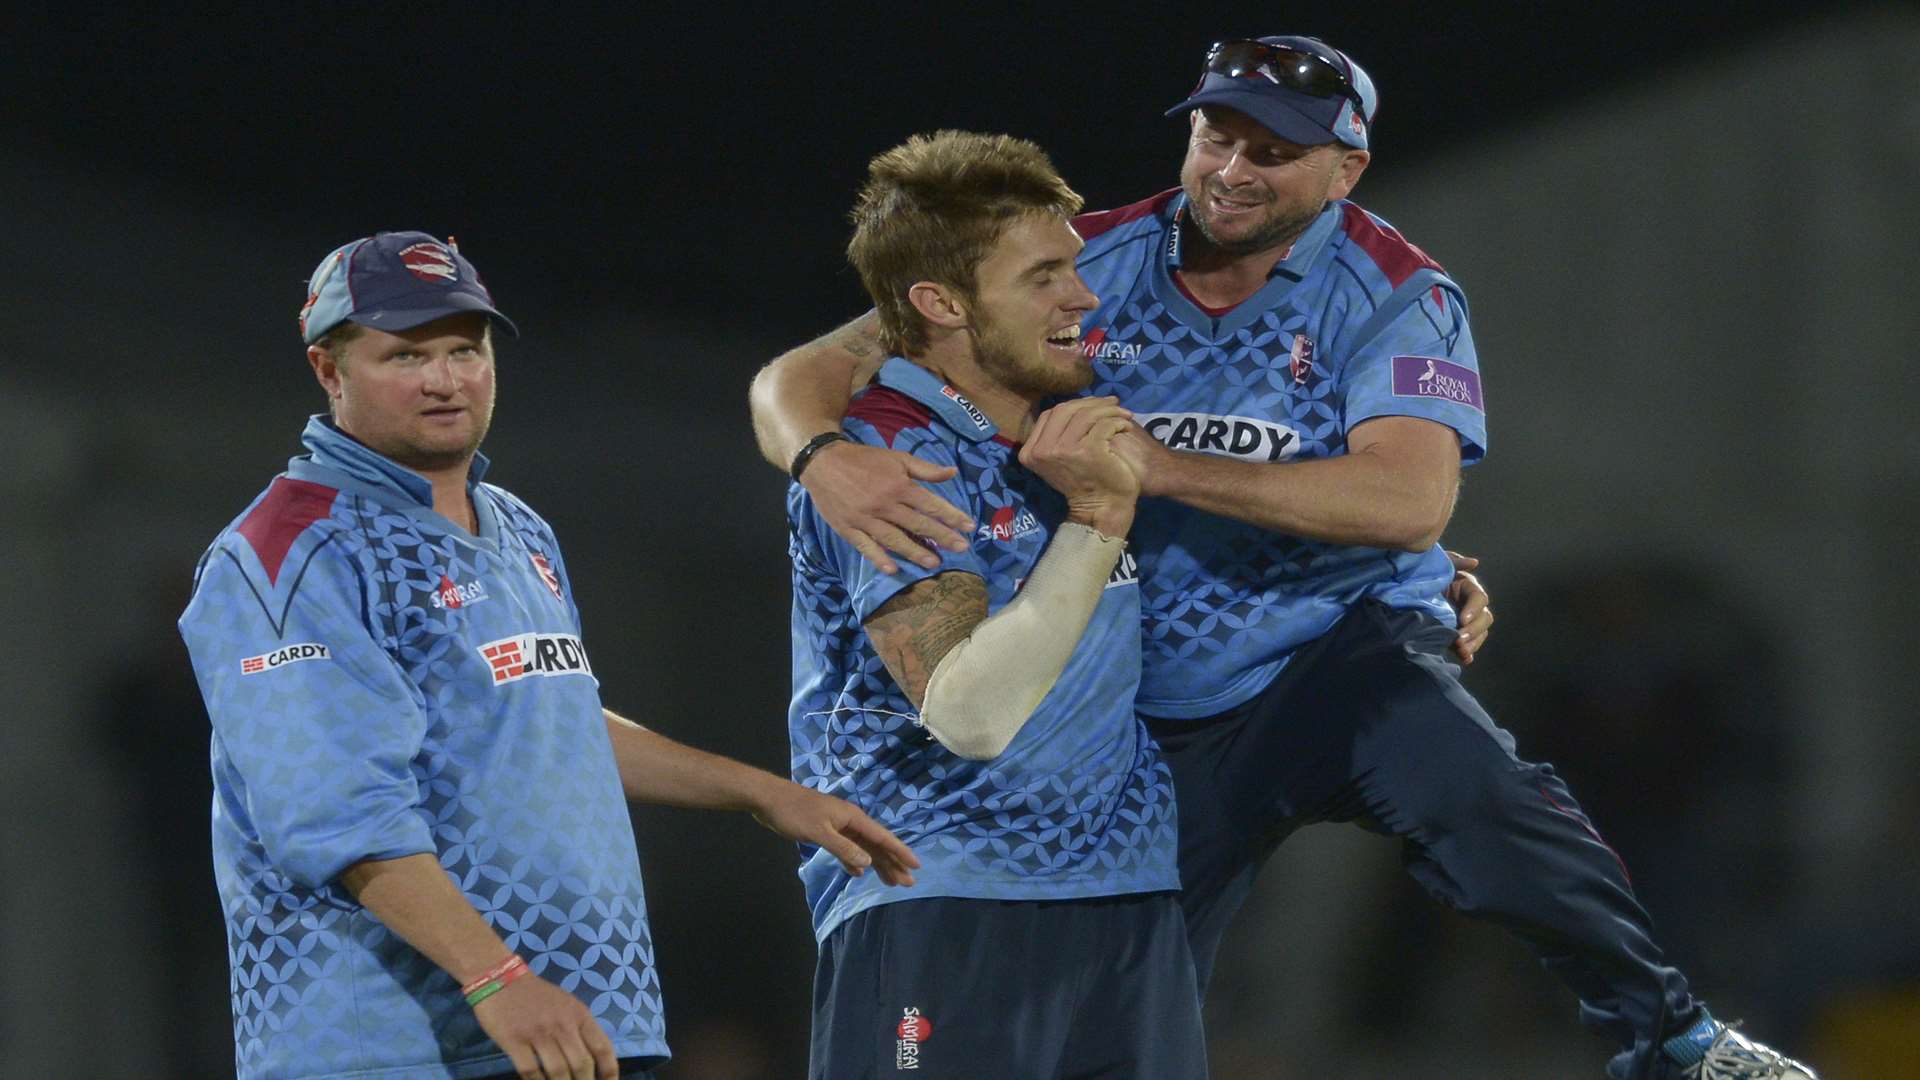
[1069, 447]
[877, 500]
[1471, 605]
[547, 1033]
[846, 832]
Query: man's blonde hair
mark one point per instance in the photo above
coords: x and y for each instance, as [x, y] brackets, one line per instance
[931, 210]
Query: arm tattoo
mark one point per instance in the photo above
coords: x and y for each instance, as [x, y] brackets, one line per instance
[918, 626]
[859, 345]
[861, 337]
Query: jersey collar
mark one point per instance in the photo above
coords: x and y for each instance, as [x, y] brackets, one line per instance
[1299, 258]
[333, 449]
[950, 405]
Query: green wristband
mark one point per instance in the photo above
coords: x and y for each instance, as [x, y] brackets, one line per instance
[485, 992]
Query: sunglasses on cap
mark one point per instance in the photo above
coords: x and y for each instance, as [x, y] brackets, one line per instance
[1295, 69]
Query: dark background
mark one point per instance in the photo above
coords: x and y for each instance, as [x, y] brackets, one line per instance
[659, 201]
[701, 165]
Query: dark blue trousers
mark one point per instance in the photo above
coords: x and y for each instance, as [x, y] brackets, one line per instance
[1369, 724]
[1009, 989]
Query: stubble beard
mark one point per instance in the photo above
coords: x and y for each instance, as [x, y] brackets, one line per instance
[1279, 231]
[433, 459]
[1022, 371]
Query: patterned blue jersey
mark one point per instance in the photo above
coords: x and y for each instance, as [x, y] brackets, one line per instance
[384, 684]
[1354, 323]
[1079, 804]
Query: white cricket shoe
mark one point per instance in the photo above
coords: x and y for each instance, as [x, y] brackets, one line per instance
[1717, 1052]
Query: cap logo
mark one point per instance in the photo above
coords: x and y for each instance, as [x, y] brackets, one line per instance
[429, 262]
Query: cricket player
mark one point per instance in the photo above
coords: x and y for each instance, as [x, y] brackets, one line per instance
[982, 708]
[1306, 391]
[420, 828]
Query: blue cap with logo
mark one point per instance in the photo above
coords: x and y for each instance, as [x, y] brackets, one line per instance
[394, 281]
[1299, 88]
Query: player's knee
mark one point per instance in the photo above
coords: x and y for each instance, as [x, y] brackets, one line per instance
[1480, 801]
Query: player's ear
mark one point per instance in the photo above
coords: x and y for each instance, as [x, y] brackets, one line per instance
[938, 304]
[326, 370]
[1352, 164]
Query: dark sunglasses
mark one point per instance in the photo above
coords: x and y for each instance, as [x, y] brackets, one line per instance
[1296, 69]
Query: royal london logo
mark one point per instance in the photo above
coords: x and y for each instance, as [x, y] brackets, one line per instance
[1434, 377]
[913, 1029]
[524, 656]
[1007, 525]
[451, 595]
[1227, 436]
[281, 657]
[973, 411]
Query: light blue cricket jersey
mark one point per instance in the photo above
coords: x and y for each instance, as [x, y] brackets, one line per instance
[1354, 323]
[1079, 804]
[384, 684]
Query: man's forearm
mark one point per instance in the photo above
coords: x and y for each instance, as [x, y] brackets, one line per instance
[655, 769]
[1362, 499]
[983, 690]
[805, 391]
[413, 897]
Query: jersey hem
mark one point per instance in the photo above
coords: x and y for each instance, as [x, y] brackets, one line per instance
[1241, 692]
[645, 1055]
[962, 891]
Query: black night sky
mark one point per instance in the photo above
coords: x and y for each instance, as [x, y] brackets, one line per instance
[702, 162]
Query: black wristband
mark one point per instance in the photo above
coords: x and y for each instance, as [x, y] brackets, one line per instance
[813, 446]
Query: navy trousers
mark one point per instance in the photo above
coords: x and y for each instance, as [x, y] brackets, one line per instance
[1009, 989]
[1369, 724]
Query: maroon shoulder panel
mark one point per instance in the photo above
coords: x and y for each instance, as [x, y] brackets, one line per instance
[890, 412]
[1390, 251]
[1099, 221]
[280, 518]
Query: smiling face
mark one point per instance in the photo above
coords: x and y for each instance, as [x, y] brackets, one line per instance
[1249, 190]
[422, 397]
[1026, 308]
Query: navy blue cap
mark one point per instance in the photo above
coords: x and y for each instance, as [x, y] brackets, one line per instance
[1290, 114]
[394, 281]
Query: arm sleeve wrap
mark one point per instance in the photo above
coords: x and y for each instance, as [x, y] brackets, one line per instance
[983, 690]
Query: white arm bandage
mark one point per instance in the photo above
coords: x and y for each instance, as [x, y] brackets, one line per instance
[986, 686]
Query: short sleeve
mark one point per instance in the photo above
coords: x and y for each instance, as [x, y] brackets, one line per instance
[1420, 362]
[314, 716]
[866, 586]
